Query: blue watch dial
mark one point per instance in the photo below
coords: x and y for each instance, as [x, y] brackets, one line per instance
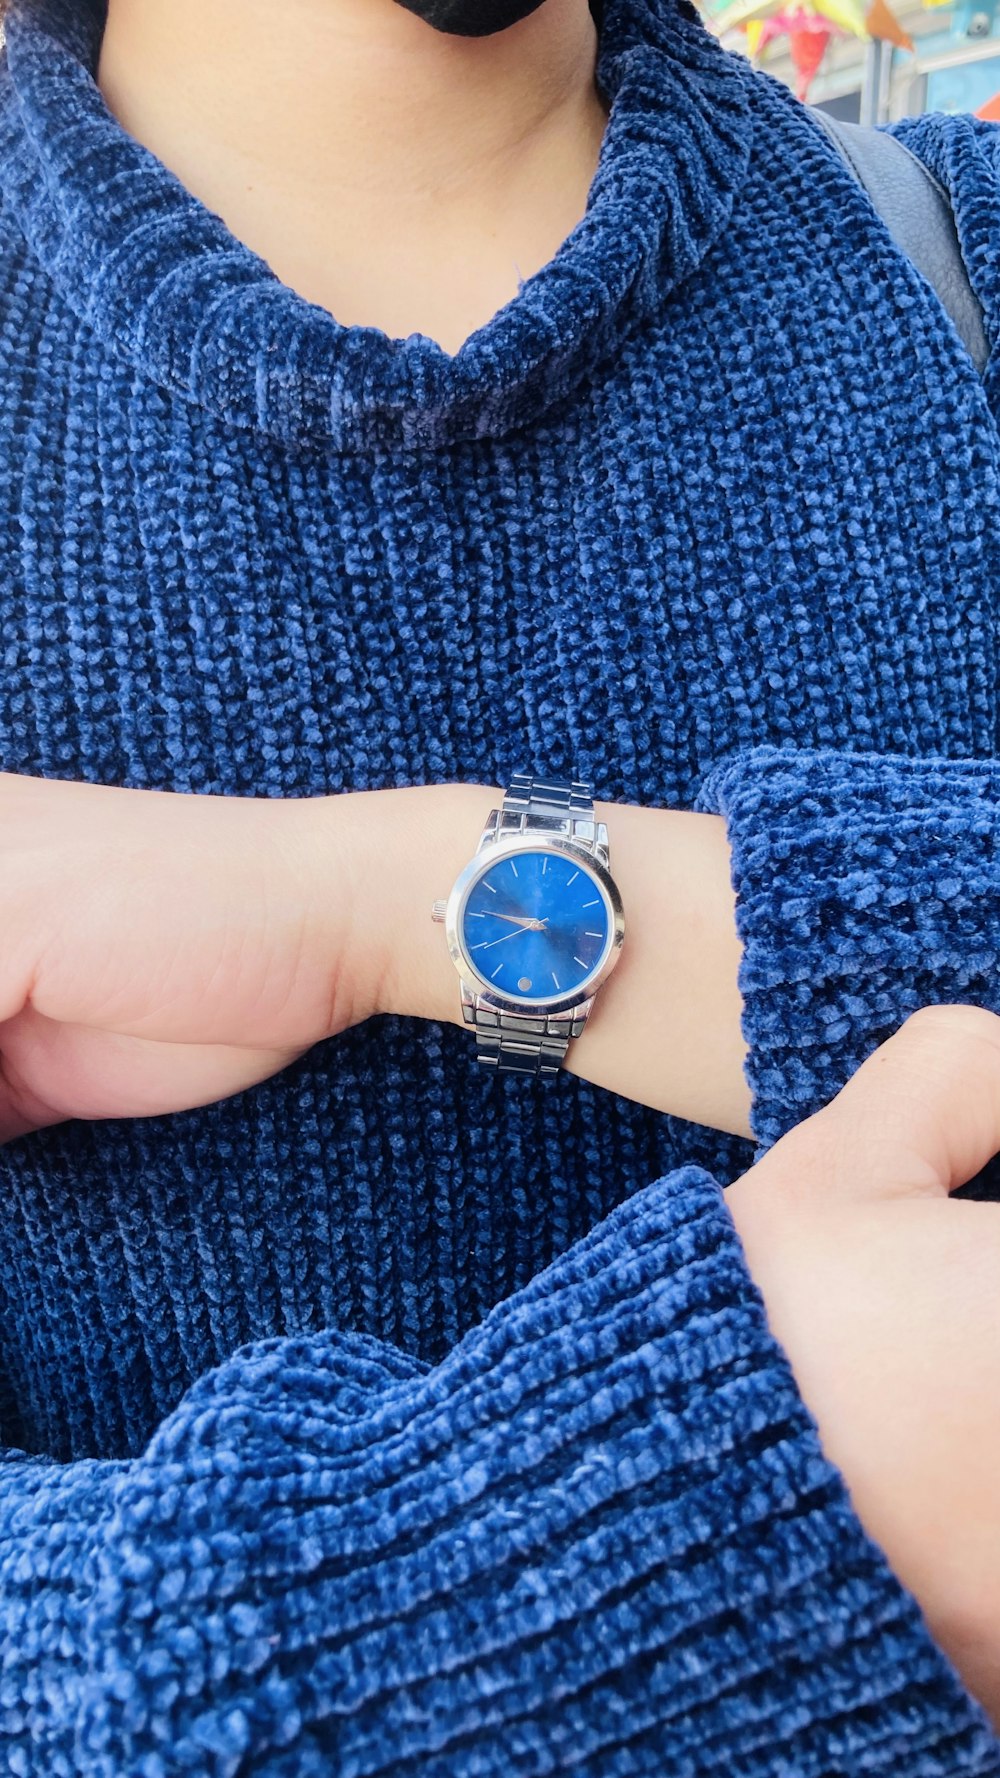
[535, 925]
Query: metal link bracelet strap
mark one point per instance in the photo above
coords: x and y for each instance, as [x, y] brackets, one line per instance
[523, 1043]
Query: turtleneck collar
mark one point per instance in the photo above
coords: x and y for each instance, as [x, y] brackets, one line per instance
[163, 282]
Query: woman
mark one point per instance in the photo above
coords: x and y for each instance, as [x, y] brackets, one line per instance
[392, 406]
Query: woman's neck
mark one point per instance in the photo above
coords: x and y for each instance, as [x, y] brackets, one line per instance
[398, 176]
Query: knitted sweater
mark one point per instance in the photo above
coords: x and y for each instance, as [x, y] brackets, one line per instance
[395, 1417]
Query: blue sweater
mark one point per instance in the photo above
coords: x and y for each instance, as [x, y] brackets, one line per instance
[394, 1418]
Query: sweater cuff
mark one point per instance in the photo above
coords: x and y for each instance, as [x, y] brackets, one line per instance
[867, 886]
[601, 1537]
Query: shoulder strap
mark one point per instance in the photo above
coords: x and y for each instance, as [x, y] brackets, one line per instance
[917, 211]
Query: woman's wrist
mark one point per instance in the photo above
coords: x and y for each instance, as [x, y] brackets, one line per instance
[666, 1025]
[403, 849]
[435, 830]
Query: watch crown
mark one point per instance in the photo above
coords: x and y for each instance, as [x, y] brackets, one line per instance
[437, 910]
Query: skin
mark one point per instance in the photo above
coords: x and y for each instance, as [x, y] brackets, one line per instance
[883, 1292]
[232, 933]
[397, 176]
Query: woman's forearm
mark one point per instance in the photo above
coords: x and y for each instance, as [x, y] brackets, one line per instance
[665, 1029]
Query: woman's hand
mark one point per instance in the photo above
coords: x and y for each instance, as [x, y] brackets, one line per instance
[161, 950]
[164, 950]
[886, 1297]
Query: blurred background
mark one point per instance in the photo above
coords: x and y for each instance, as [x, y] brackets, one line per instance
[872, 61]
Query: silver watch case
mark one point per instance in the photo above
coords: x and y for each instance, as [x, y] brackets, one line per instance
[483, 861]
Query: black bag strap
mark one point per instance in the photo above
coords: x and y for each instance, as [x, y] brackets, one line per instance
[917, 211]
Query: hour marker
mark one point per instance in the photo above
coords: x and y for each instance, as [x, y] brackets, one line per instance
[513, 866]
[524, 983]
[572, 879]
[483, 947]
[555, 978]
[580, 961]
[592, 904]
[545, 866]
[489, 886]
[496, 972]
[472, 915]
[593, 935]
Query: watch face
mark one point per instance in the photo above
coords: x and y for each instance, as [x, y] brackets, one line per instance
[535, 925]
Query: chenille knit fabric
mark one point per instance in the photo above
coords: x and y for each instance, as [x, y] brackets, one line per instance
[396, 1418]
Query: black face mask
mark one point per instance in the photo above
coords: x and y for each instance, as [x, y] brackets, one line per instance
[471, 18]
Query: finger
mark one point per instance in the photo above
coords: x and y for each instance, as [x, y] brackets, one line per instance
[51, 1071]
[920, 1117]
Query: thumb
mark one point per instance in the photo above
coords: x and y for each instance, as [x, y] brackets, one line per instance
[919, 1118]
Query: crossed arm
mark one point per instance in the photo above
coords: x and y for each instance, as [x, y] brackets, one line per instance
[163, 950]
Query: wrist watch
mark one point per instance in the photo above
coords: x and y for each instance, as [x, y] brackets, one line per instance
[534, 924]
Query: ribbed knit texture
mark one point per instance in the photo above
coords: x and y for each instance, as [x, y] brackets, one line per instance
[392, 1417]
[599, 1538]
[868, 887]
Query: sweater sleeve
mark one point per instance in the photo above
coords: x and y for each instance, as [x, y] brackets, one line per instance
[600, 1537]
[867, 886]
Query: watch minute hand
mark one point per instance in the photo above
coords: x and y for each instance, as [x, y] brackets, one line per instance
[539, 924]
